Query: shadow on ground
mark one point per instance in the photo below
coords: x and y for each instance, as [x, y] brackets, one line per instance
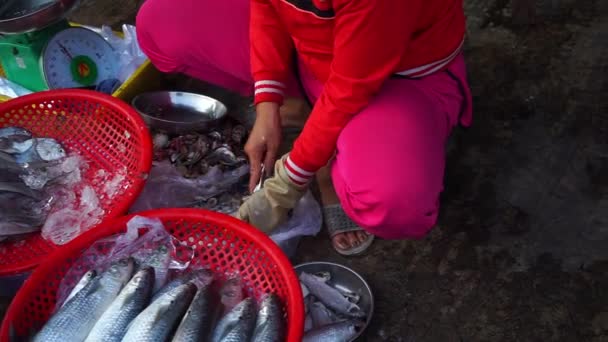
[520, 253]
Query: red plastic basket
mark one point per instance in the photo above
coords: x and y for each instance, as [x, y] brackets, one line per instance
[107, 132]
[221, 241]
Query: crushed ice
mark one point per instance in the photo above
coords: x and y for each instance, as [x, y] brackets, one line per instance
[75, 202]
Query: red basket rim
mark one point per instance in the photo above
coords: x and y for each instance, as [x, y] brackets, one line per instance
[144, 164]
[296, 307]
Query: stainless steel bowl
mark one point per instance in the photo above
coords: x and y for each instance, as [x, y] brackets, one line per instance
[21, 16]
[345, 277]
[178, 112]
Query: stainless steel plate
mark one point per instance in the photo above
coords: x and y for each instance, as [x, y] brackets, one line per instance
[179, 112]
[21, 16]
[342, 276]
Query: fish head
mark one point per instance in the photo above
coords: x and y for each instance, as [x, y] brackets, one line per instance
[122, 269]
[50, 149]
[143, 277]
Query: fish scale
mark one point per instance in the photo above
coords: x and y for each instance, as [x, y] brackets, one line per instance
[133, 298]
[195, 326]
[162, 316]
[76, 318]
[237, 325]
[270, 324]
[336, 332]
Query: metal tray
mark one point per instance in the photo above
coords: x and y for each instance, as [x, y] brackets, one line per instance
[23, 16]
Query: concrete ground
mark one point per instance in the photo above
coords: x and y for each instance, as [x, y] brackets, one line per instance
[521, 250]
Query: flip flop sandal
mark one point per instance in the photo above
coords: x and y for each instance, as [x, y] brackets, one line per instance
[337, 222]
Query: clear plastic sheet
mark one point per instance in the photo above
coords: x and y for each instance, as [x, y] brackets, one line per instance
[145, 240]
[180, 192]
[306, 220]
[12, 89]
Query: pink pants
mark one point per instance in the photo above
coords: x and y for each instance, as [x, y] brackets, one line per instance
[389, 166]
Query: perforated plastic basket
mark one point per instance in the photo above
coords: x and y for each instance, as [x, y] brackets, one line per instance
[107, 132]
[220, 241]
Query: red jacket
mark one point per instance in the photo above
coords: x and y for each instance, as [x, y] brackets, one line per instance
[352, 46]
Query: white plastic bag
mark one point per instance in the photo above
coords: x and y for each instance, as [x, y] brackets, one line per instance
[306, 220]
[129, 53]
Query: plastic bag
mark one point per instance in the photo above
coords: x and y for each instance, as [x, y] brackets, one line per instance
[12, 89]
[306, 220]
[130, 55]
[180, 192]
[146, 240]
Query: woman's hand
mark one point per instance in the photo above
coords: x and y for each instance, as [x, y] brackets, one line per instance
[264, 140]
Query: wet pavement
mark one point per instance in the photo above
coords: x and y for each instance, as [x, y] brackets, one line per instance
[521, 249]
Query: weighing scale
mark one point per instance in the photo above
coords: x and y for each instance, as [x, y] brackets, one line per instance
[40, 50]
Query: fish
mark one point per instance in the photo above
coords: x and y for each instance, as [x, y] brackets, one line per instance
[22, 162]
[196, 324]
[9, 132]
[10, 228]
[15, 147]
[238, 324]
[20, 214]
[200, 278]
[162, 316]
[331, 297]
[20, 188]
[231, 294]
[321, 315]
[15, 140]
[270, 324]
[76, 318]
[86, 278]
[308, 323]
[42, 150]
[343, 331]
[159, 258]
[348, 294]
[132, 300]
[323, 276]
[49, 149]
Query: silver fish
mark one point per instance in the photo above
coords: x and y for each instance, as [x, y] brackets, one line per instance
[28, 156]
[323, 276]
[237, 325]
[231, 294]
[308, 323]
[15, 147]
[86, 278]
[196, 324]
[270, 326]
[15, 140]
[158, 258]
[321, 315]
[201, 278]
[112, 325]
[348, 294]
[343, 331]
[22, 162]
[331, 297]
[20, 188]
[10, 228]
[49, 149]
[162, 316]
[76, 318]
[8, 132]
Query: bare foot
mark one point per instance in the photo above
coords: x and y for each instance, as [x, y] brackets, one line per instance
[346, 241]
